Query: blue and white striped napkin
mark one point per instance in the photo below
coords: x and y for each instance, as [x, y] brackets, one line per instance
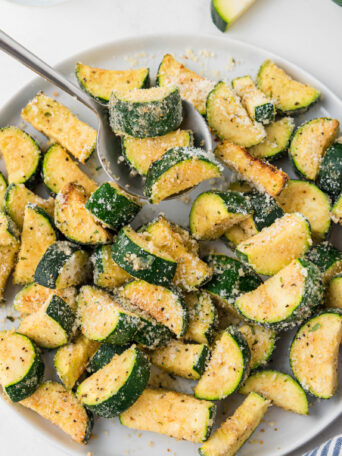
[332, 447]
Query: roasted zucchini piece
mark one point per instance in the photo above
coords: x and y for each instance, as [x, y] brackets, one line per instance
[60, 125]
[156, 410]
[314, 353]
[329, 178]
[225, 12]
[336, 212]
[21, 366]
[177, 170]
[8, 255]
[73, 219]
[261, 342]
[9, 233]
[265, 177]
[334, 292]
[103, 356]
[3, 188]
[202, 318]
[327, 257]
[100, 83]
[107, 274]
[290, 96]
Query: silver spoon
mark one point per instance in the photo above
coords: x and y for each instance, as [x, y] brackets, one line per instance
[108, 144]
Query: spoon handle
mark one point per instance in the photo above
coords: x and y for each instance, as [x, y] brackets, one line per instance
[16, 50]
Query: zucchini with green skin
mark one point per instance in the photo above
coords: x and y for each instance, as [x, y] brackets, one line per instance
[114, 388]
[9, 233]
[103, 356]
[22, 156]
[177, 170]
[336, 212]
[3, 188]
[261, 342]
[285, 299]
[143, 113]
[314, 353]
[327, 257]
[225, 12]
[329, 178]
[8, 256]
[156, 410]
[228, 366]
[107, 274]
[202, 318]
[21, 366]
[334, 292]
[100, 83]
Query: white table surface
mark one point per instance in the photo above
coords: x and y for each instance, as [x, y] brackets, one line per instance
[307, 32]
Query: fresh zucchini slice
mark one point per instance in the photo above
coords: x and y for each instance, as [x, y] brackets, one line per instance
[140, 153]
[262, 175]
[103, 356]
[21, 154]
[112, 206]
[261, 342]
[182, 359]
[276, 143]
[285, 299]
[225, 12]
[107, 274]
[228, 366]
[63, 265]
[279, 388]
[60, 125]
[192, 87]
[60, 169]
[103, 319]
[38, 234]
[166, 305]
[21, 366]
[16, 198]
[309, 144]
[52, 325]
[202, 318]
[3, 188]
[114, 388]
[191, 271]
[290, 96]
[259, 107]
[229, 120]
[140, 258]
[177, 170]
[156, 410]
[58, 405]
[8, 255]
[71, 360]
[235, 430]
[269, 251]
[336, 212]
[73, 219]
[213, 213]
[334, 292]
[314, 353]
[330, 173]
[327, 257]
[143, 113]
[9, 233]
[100, 83]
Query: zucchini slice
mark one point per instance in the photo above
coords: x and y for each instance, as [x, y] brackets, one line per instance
[73, 219]
[329, 178]
[103, 319]
[235, 430]
[309, 144]
[63, 265]
[9, 233]
[261, 342]
[191, 271]
[16, 198]
[225, 12]
[38, 234]
[177, 170]
[140, 153]
[140, 258]
[8, 255]
[182, 359]
[166, 305]
[202, 318]
[107, 274]
[262, 175]
[100, 83]
[143, 113]
[58, 405]
[229, 120]
[314, 353]
[285, 299]
[334, 292]
[112, 206]
[103, 356]
[60, 169]
[192, 87]
[276, 143]
[21, 366]
[259, 107]
[22, 156]
[271, 250]
[213, 213]
[290, 96]
[60, 125]
[279, 388]
[71, 360]
[336, 212]
[114, 388]
[327, 257]
[156, 410]
[3, 188]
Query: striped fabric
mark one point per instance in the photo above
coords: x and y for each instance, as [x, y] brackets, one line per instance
[332, 447]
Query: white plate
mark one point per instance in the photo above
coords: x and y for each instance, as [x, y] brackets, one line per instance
[281, 432]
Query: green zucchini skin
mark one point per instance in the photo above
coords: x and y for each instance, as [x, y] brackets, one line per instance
[326, 257]
[111, 207]
[265, 209]
[200, 365]
[220, 23]
[152, 334]
[61, 312]
[264, 113]
[103, 355]
[330, 173]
